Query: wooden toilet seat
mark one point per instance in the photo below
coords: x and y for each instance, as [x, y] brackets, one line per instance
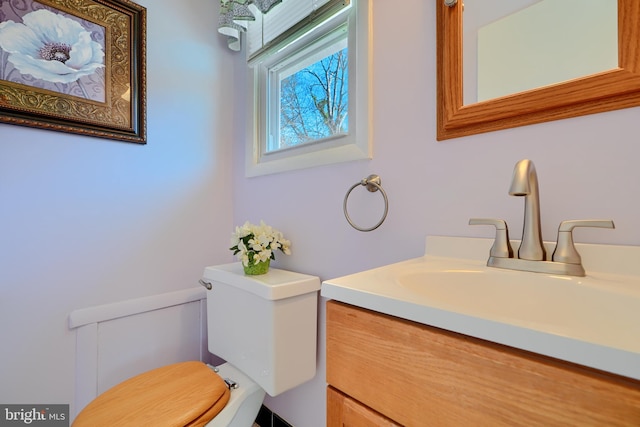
[177, 395]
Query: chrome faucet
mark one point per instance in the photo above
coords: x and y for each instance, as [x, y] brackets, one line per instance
[525, 183]
[531, 255]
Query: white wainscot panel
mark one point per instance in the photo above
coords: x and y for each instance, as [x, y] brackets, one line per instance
[134, 344]
[120, 340]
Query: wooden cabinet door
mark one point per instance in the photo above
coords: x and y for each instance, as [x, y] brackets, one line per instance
[418, 375]
[342, 411]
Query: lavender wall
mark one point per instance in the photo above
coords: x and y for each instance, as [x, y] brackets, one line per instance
[86, 221]
[587, 169]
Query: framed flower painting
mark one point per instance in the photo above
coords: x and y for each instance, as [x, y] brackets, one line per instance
[74, 66]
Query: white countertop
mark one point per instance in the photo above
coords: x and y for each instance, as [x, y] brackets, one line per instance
[592, 321]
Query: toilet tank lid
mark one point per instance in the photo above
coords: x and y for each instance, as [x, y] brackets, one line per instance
[276, 284]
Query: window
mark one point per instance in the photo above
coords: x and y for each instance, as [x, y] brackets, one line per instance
[311, 91]
[312, 95]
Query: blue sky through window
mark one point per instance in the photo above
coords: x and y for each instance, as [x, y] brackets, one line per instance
[314, 101]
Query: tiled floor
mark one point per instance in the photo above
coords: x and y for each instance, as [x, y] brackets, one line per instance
[266, 418]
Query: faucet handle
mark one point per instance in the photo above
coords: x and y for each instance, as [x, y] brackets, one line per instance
[565, 250]
[501, 246]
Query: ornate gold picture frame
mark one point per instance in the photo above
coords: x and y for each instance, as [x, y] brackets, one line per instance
[74, 66]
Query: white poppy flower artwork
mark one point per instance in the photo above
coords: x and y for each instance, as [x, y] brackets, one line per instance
[51, 47]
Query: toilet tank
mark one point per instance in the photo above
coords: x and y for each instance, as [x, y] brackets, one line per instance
[264, 325]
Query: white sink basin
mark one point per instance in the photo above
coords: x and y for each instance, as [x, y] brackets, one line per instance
[584, 308]
[592, 320]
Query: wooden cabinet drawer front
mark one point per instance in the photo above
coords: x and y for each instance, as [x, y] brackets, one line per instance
[418, 375]
[342, 411]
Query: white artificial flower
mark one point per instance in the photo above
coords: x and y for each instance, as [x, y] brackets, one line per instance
[262, 256]
[256, 245]
[245, 260]
[265, 238]
[286, 250]
[51, 47]
[246, 229]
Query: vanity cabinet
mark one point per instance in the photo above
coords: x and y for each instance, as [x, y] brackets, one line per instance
[386, 371]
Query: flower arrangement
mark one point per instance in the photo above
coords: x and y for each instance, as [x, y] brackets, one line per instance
[256, 244]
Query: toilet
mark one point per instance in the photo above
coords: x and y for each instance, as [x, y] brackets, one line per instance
[264, 327]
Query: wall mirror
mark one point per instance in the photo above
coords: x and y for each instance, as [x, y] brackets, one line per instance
[609, 79]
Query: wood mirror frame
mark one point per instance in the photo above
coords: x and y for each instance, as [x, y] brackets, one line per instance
[609, 90]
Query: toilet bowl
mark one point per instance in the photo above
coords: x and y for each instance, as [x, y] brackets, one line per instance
[263, 326]
[244, 403]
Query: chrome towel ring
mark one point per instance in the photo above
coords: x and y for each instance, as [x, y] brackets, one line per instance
[373, 184]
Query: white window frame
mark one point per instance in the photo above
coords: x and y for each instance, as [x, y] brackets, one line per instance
[356, 145]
